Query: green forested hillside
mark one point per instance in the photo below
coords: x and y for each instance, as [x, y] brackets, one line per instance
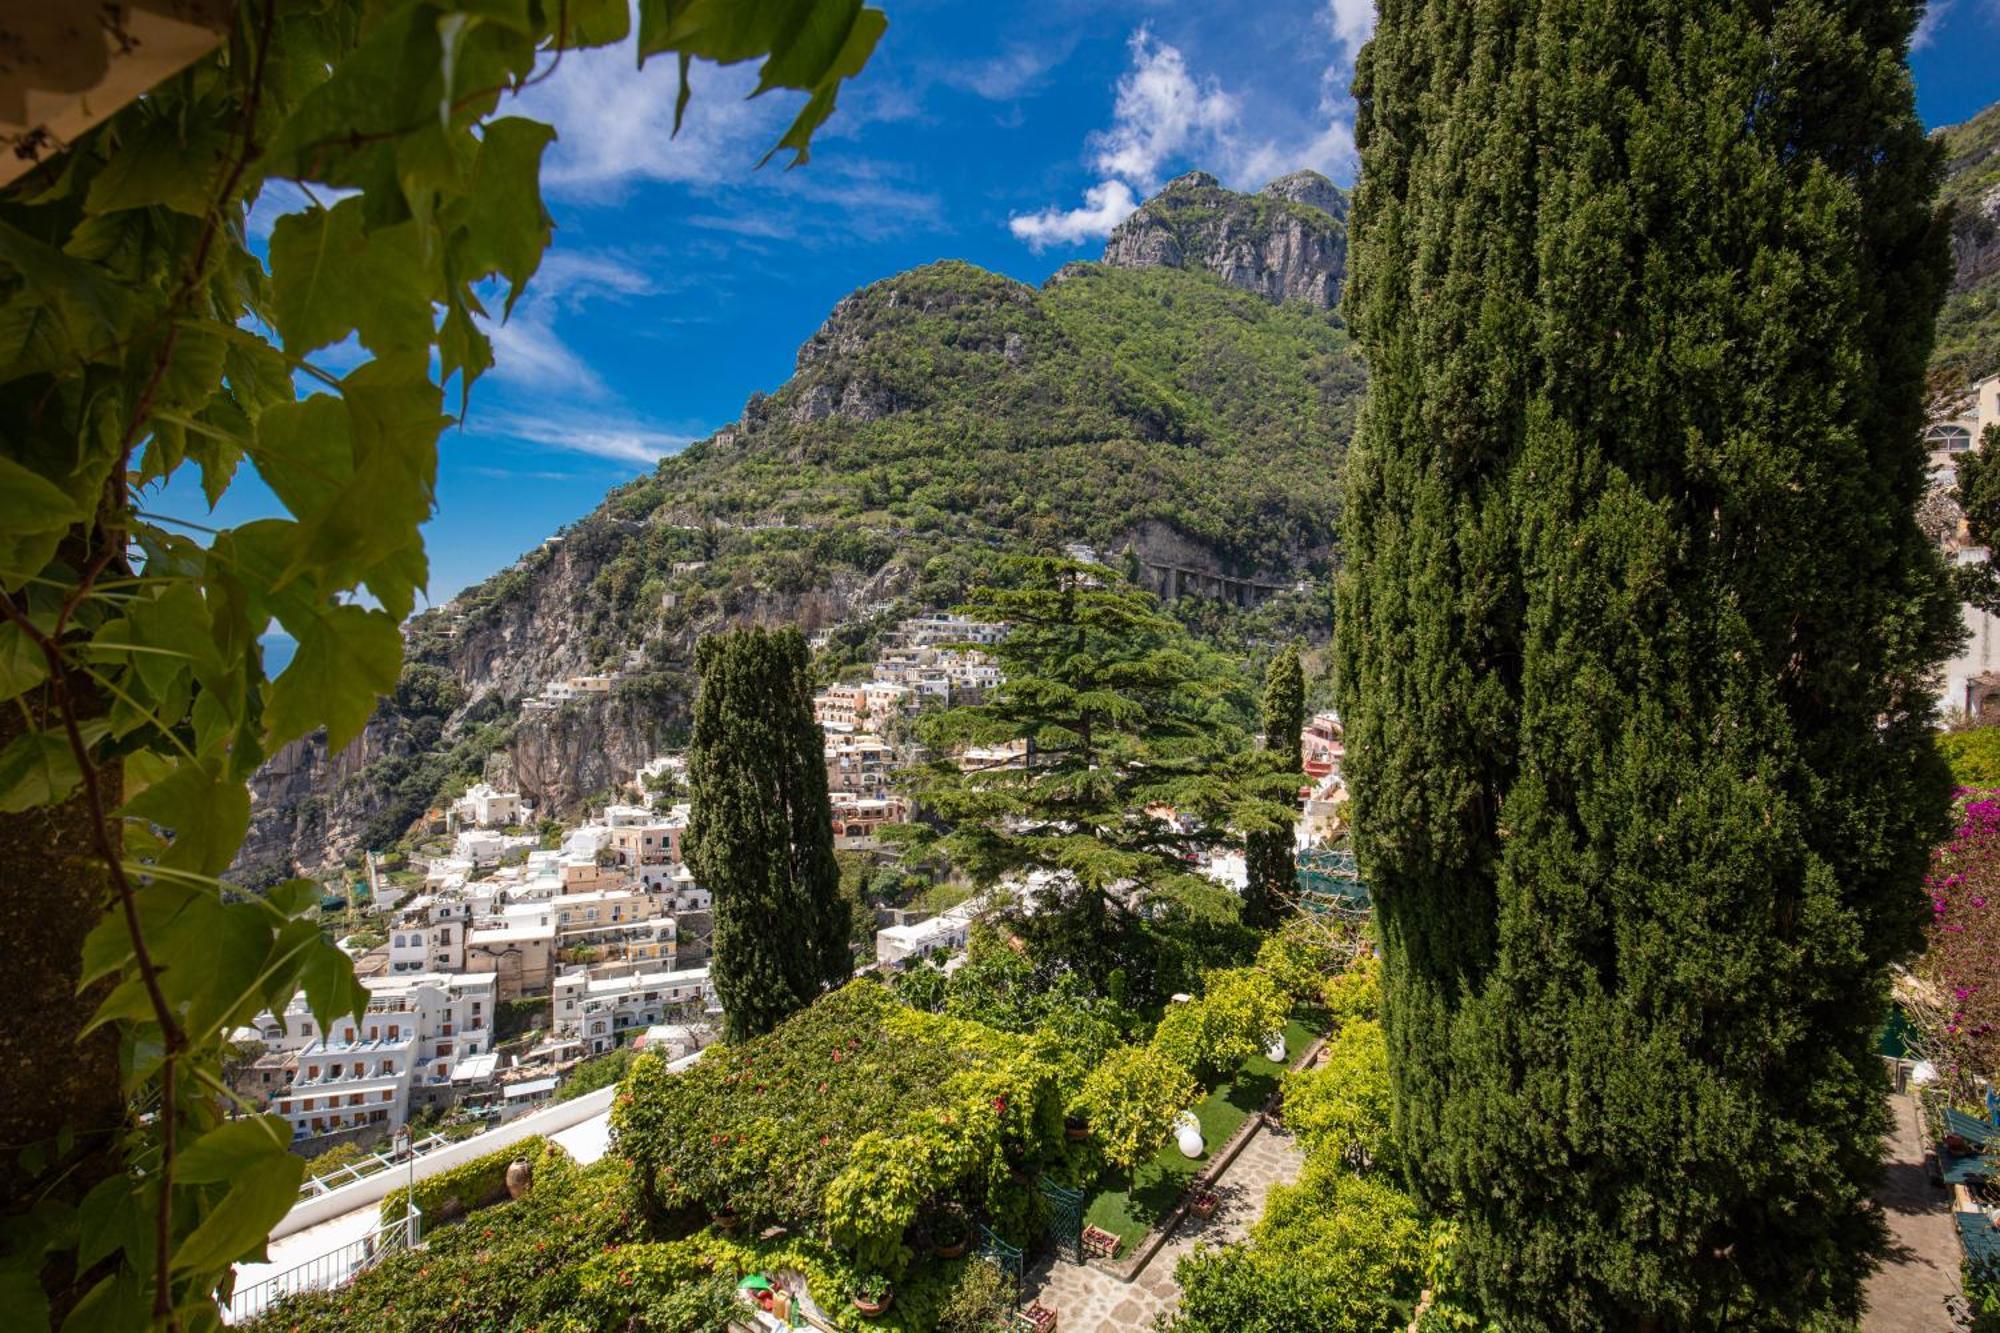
[1968, 332]
[946, 413]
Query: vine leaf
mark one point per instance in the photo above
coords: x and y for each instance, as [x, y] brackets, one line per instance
[36, 769]
[347, 655]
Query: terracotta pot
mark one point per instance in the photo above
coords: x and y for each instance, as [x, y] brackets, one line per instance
[953, 1251]
[871, 1309]
[1075, 1130]
[520, 1177]
[727, 1220]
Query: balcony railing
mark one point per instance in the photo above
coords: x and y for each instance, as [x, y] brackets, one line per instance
[335, 1268]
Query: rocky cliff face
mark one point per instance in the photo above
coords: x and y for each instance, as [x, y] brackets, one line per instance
[1288, 242]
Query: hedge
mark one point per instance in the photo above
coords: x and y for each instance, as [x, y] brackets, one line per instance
[471, 1186]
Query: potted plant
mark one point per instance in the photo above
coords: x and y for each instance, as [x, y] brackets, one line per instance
[1075, 1128]
[1203, 1204]
[950, 1234]
[726, 1219]
[872, 1294]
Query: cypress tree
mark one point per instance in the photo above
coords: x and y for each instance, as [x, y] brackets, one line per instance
[1635, 630]
[760, 836]
[1267, 854]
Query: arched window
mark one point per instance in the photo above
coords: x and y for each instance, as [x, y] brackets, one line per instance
[399, 941]
[1950, 438]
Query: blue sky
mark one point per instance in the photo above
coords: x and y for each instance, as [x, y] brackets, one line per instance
[681, 279]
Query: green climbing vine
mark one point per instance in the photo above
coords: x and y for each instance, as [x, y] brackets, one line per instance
[142, 335]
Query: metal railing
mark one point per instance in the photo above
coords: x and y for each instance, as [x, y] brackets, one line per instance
[314, 1186]
[335, 1268]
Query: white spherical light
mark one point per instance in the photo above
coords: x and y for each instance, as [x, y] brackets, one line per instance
[1190, 1142]
[1274, 1049]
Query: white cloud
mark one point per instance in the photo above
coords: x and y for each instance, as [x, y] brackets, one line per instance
[619, 438]
[1166, 117]
[1006, 76]
[1162, 112]
[1353, 23]
[1105, 206]
[527, 348]
[614, 124]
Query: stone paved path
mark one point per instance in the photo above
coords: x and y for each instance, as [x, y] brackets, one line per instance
[1908, 1293]
[1090, 1300]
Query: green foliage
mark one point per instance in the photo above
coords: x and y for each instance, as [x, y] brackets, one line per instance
[1122, 714]
[514, 1265]
[341, 1154]
[1305, 953]
[1354, 995]
[1130, 1100]
[1635, 636]
[761, 835]
[137, 703]
[1334, 1251]
[470, 1186]
[1233, 1019]
[1267, 853]
[1978, 496]
[844, 1121]
[982, 1301]
[517, 1018]
[1974, 756]
[1340, 1107]
[597, 1072]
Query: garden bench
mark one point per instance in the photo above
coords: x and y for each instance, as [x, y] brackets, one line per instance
[1100, 1243]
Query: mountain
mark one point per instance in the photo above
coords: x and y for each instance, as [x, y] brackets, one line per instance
[1181, 407]
[1968, 336]
[1287, 242]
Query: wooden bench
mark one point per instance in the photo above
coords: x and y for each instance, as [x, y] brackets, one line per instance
[1100, 1244]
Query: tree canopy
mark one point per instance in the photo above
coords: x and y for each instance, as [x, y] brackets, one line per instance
[760, 836]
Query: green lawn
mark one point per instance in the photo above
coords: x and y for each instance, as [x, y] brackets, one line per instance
[1130, 1212]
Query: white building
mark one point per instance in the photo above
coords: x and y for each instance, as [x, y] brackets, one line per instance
[1972, 679]
[944, 933]
[600, 1009]
[481, 847]
[413, 1033]
[483, 807]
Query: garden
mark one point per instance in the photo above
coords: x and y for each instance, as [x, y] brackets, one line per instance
[1951, 1003]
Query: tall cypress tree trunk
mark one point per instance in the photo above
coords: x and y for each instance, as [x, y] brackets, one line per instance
[1635, 629]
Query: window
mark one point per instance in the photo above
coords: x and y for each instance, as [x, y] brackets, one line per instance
[398, 941]
[1951, 439]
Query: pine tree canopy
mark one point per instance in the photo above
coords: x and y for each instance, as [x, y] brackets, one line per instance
[1123, 718]
[1636, 634]
[760, 837]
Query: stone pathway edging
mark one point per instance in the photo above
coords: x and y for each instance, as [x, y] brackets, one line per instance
[1205, 1178]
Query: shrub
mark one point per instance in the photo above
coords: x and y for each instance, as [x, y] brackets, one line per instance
[844, 1120]
[1340, 1108]
[1974, 756]
[1131, 1099]
[1234, 1018]
[982, 1301]
[1356, 994]
[1956, 1006]
[599, 1072]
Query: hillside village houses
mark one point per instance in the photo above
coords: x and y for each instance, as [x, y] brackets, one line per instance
[1971, 682]
[608, 929]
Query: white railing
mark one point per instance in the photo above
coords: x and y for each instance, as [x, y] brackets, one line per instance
[335, 1268]
[314, 1186]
